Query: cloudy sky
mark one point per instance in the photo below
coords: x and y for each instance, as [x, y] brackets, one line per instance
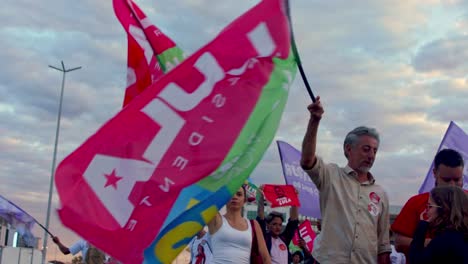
[398, 65]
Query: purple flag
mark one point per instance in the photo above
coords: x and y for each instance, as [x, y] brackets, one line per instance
[296, 176]
[455, 138]
[19, 219]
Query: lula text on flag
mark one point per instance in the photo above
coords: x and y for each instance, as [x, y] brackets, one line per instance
[136, 165]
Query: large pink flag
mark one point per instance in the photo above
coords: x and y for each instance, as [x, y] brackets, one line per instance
[217, 107]
[150, 52]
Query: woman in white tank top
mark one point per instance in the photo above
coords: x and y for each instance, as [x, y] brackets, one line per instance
[231, 234]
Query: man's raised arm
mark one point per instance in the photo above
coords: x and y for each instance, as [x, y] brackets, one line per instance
[309, 144]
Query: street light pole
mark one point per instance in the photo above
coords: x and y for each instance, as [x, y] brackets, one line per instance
[64, 71]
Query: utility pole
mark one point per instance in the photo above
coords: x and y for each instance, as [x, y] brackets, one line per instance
[54, 158]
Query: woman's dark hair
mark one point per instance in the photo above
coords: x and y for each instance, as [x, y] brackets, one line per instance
[272, 216]
[299, 253]
[453, 211]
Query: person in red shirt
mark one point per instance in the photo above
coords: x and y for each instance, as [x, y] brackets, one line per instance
[448, 170]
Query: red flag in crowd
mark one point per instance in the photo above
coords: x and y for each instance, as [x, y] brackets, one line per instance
[305, 232]
[281, 195]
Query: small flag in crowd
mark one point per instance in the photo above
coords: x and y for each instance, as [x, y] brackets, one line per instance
[253, 194]
[281, 195]
[305, 232]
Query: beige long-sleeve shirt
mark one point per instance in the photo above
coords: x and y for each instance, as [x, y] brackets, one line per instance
[355, 216]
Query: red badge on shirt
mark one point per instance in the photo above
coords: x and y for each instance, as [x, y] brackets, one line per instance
[373, 205]
[282, 247]
[375, 198]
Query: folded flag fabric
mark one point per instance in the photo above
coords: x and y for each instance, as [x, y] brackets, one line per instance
[161, 168]
[150, 52]
[19, 219]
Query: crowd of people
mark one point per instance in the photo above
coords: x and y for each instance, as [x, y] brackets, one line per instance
[431, 228]
[355, 226]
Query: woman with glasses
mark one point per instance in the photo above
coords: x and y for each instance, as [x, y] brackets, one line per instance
[446, 216]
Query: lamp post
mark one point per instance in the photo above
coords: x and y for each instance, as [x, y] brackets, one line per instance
[64, 71]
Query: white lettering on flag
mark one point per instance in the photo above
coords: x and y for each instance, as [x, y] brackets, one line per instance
[207, 119]
[305, 234]
[167, 184]
[131, 224]
[183, 101]
[171, 124]
[180, 162]
[262, 41]
[218, 100]
[145, 22]
[140, 37]
[131, 76]
[195, 139]
[116, 200]
[145, 201]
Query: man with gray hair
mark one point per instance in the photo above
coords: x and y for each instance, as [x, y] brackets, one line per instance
[355, 210]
